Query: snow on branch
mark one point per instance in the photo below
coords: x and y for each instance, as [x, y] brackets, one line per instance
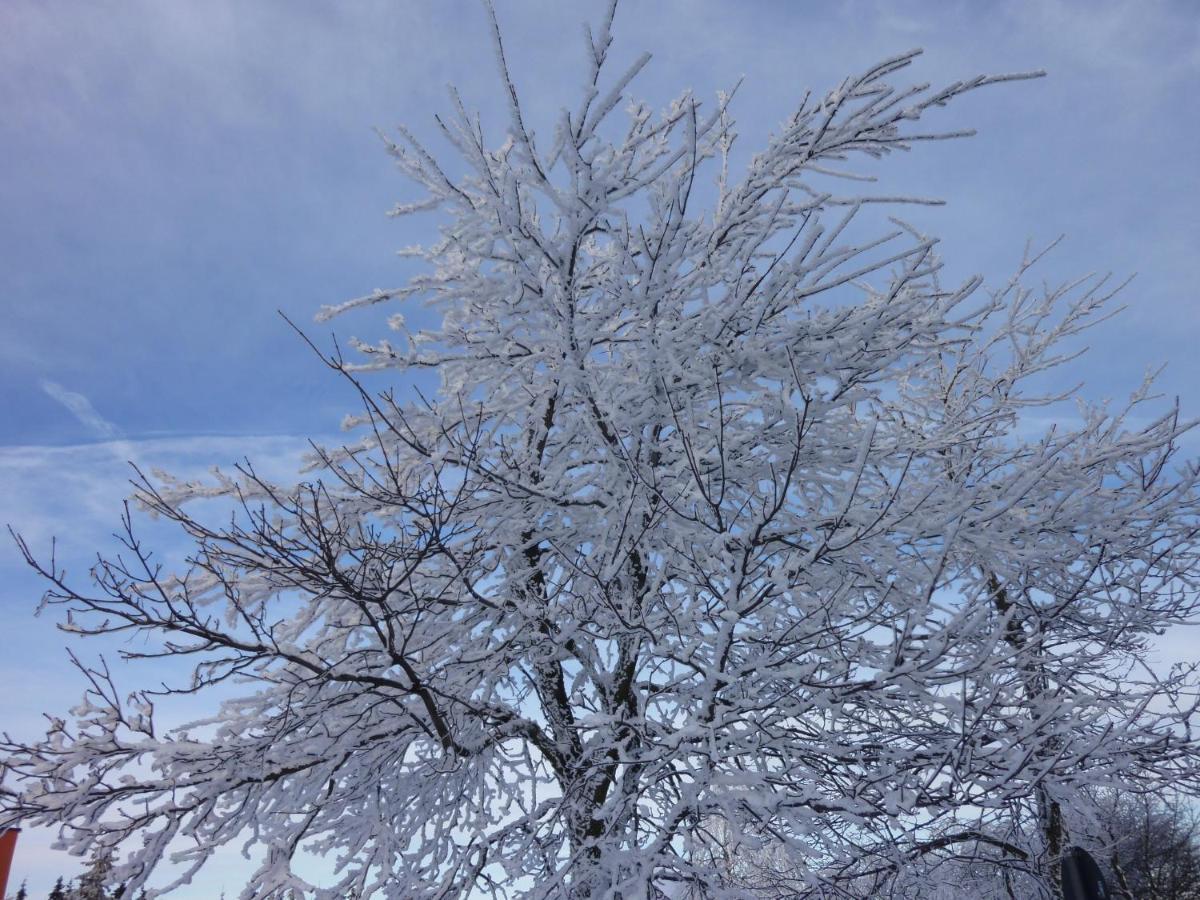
[723, 562]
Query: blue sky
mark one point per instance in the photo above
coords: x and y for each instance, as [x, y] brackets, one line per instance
[173, 173]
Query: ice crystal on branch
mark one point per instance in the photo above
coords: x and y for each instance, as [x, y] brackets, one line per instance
[720, 565]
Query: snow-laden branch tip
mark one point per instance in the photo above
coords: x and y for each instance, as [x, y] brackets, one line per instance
[724, 562]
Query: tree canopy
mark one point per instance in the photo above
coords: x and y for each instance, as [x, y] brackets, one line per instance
[725, 561]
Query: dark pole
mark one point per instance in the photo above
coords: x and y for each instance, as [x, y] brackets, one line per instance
[1081, 877]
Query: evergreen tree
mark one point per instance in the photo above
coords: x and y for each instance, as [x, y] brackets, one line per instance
[93, 883]
[59, 892]
[22, 893]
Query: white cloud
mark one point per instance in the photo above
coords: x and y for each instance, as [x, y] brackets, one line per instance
[1149, 44]
[76, 491]
[81, 408]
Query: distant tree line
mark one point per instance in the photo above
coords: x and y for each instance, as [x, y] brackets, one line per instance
[1147, 846]
[1155, 853]
[94, 884]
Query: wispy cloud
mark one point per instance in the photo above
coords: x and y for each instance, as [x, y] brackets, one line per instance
[1151, 46]
[81, 408]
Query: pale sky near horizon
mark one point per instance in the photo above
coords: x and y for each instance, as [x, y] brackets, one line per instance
[173, 172]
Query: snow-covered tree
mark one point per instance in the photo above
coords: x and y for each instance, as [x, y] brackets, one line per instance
[726, 538]
[94, 883]
[1154, 848]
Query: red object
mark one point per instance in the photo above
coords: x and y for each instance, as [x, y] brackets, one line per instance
[8, 844]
